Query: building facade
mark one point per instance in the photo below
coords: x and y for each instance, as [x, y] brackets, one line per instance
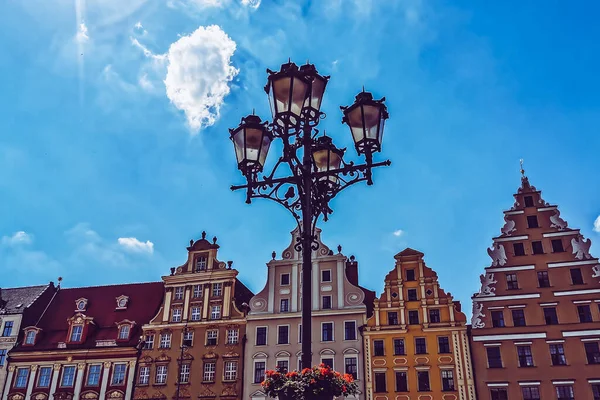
[536, 318]
[84, 345]
[416, 342]
[194, 346]
[339, 310]
[18, 307]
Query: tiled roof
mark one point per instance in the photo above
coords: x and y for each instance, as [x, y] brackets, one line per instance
[16, 300]
[409, 252]
[144, 302]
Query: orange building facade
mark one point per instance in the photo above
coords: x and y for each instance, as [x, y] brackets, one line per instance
[536, 319]
[416, 344]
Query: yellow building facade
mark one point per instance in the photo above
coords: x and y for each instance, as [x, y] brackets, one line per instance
[416, 344]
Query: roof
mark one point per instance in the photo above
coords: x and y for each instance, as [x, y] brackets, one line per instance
[409, 252]
[16, 300]
[143, 304]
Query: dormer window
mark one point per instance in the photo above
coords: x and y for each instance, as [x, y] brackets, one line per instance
[201, 263]
[179, 293]
[124, 332]
[30, 337]
[81, 304]
[76, 333]
[122, 302]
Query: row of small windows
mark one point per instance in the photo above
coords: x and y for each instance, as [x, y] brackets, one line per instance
[350, 366]
[327, 333]
[67, 378]
[413, 317]
[212, 339]
[538, 248]
[563, 392]
[209, 369]
[557, 355]
[195, 313]
[512, 282]
[423, 381]
[420, 346]
[584, 313]
[284, 279]
[326, 304]
[217, 291]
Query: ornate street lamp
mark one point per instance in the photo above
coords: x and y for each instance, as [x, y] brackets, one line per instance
[317, 171]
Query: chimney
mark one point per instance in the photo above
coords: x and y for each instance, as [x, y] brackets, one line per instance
[352, 271]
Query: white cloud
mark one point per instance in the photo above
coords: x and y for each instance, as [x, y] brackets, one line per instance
[198, 74]
[251, 3]
[139, 25]
[134, 245]
[18, 238]
[597, 224]
[398, 233]
[82, 33]
[145, 83]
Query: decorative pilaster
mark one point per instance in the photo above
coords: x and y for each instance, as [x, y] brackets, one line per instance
[316, 286]
[105, 374]
[341, 273]
[55, 373]
[79, 380]
[167, 306]
[227, 300]
[186, 302]
[130, 379]
[11, 372]
[294, 287]
[206, 294]
[32, 374]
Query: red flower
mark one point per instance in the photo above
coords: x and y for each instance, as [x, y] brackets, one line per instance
[305, 371]
[312, 381]
[344, 389]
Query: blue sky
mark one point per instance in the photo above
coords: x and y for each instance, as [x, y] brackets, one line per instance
[114, 149]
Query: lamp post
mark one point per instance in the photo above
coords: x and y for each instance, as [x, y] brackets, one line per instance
[316, 170]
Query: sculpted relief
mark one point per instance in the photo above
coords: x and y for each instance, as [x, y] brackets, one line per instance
[498, 254]
[581, 248]
[487, 280]
[476, 319]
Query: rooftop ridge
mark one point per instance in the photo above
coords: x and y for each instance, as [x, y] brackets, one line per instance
[110, 285]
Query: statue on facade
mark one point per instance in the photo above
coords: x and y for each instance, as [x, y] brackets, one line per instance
[557, 221]
[581, 248]
[509, 226]
[476, 321]
[487, 280]
[498, 254]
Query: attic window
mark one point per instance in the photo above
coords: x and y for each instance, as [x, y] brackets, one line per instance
[76, 333]
[124, 331]
[30, 338]
[528, 201]
[201, 263]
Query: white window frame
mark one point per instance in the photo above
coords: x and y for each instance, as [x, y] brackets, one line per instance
[451, 370]
[217, 289]
[286, 359]
[215, 312]
[288, 335]
[26, 377]
[163, 375]
[73, 334]
[196, 316]
[197, 292]
[330, 276]
[259, 360]
[184, 373]
[190, 338]
[201, 263]
[233, 336]
[230, 370]
[124, 328]
[355, 331]
[62, 376]
[266, 335]
[208, 372]
[178, 293]
[177, 314]
[39, 376]
[332, 331]
[355, 357]
[114, 371]
[149, 341]
[87, 378]
[208, 332]
[289, 279]
[30, 337]
[281, 305]
[166, 339]
[329, 356]
[323, 302]
[144, 375]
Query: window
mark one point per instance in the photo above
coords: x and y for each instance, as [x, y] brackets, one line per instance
[413, 317]
[423, 381]
[327, 331]
[261, 336]
[328, 362]
[2, 356]
[351, 366]
[326, 275]
[557, 246]
[420, 346]
[592, 352]
[201, 263]
[434, 316]
[498, 319]
[299, 333]
[350, 330]
[576, 277]
[215, 312]
[44, 377]
[518, 317]
[124, 332]
[557, 354]
[401, 382]
[537, 247]
[530, 392]
[188, 338]
[392, 317]
[399, 349]
[30, 337]
[165, 341]
[217, 289]
[584, 312]
[22, 375]
[179, 293]
[68, 376]
[8, 325]
[550, 316]
[197, 291]
[528, 201]
[283, 334]
[259, 371]
[412, 295]
[498, 394]
[494, 357]
[596, 391]
[195, 314]
[284, 305]
[447, 380]
[511, 281]
[519, 249]
[211, 337]
[209, 372]
[285, 279]
[233, 336]
[149, 342]
[161, 375]
[93, 378]
[410, 274]
[119, 374]
[565, 392]
[443, 344]
[543, 279]
[184, 373]
[282, 366]
[378, 349]
[231, 370]
[380, 382]
[76, 333]
[525, 356]
[532, 221]
[326, 302]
